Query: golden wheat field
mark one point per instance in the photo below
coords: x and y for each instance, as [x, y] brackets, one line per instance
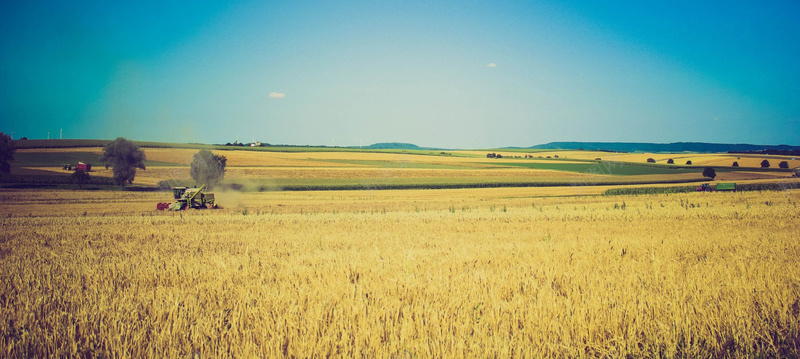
[435, 273]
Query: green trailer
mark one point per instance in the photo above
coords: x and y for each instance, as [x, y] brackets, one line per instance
[731, 187]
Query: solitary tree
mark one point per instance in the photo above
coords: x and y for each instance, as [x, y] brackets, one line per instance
[208, 168]
[6, 153]
[670, 161]
[650, 160]
[783, 164]
[765, 164]
[689, 162]
[709, 172]
[80, 177]
[125, 157]
[735, 164]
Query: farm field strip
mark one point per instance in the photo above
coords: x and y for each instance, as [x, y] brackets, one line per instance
[43, 202]
[244, 158]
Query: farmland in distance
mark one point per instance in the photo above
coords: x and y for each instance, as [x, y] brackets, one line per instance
[543, 271]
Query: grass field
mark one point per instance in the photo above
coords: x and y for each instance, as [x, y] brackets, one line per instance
[525, 272]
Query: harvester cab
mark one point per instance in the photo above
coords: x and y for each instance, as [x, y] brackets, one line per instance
[186, 198]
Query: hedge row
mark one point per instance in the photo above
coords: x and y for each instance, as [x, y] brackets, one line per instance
[687, 189]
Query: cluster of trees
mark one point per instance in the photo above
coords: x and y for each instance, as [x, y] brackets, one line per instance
[494, 155]
[124, 157]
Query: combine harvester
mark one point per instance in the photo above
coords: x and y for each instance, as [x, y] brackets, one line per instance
[186, 198]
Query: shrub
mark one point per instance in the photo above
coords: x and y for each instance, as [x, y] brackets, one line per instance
[670, 161]
[735, 164]
[689, 162]
[709, 172]
[783, 164]
[650, 160]
[765, 164]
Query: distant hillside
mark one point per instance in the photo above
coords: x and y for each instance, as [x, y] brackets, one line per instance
[393, 146]
[661, 147]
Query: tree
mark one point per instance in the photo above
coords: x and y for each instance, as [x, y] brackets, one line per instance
[709, 172]
[80, 177]
[125, 157]
[670, 161]
[783, 164]
[765, 164]
[689, 162]
[735, 164]
[208, 168]
[6, 153]
[650, 160]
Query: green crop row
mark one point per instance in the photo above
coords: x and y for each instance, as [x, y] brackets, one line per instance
[687, 189]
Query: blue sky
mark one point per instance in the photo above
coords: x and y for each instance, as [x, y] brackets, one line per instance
[447, 74]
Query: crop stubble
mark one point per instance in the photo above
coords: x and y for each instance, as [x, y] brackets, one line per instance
[483, 274]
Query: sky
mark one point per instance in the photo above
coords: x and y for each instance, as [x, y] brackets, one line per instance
[466, 74]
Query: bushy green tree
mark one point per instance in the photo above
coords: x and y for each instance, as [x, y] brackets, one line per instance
[6, 153]
[124, 157]
[709, 172]
[208, 168]
[765, 164]
[783, 164]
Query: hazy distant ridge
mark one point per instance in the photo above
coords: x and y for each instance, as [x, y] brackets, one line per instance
[393, 146]
[660, 147]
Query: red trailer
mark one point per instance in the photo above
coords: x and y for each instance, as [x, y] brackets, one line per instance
[85, 167]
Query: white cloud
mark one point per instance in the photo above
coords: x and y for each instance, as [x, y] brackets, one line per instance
[277, 95]
[492, 65]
